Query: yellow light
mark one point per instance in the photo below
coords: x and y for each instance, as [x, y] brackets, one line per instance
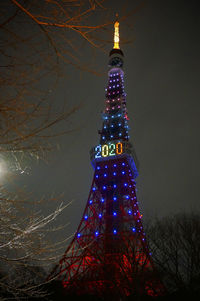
[116, 35]
[105, 150]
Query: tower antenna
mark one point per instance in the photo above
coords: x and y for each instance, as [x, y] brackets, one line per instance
[116, 34]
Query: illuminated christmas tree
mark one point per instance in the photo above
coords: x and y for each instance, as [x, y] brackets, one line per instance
[109, 255]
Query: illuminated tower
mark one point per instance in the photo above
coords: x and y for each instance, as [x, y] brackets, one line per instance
[108, 255]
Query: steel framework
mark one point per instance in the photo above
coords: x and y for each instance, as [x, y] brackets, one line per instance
[109, 255]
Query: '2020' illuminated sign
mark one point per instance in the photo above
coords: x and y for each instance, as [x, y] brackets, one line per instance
[107, 150]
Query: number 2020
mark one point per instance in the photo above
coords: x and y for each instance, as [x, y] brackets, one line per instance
[108, 150]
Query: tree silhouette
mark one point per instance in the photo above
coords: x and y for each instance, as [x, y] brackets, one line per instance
[175, 245]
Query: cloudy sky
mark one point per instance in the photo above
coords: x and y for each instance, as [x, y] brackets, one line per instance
[161, 67]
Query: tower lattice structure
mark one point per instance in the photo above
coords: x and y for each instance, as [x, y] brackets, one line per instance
[109, 255]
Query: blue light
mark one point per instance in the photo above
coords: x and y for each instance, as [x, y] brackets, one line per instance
[97, 176]
[111, 136]
[114, 173]
[129, 212]
[106, 166]
[86, 217]
[104, 187]
[102, 200]
[104, 127]
[114, 185]
[79, 234]
[133, 229]
[120, 134]
[112, 116]
[114, 165]
[115, 198]
[119, 124]
[123, 172]
[105, 175]
[125, 184]
[100, 215]
[115, 231]
[98, 167]
[93, 188]
[103, 137]
[90, 202]
[114, 213]
[127, 196]
[112, 126]
[123, 164]
[96, 233]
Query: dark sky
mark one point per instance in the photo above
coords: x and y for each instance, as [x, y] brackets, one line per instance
[162, 86]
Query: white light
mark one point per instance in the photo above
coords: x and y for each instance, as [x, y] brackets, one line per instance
[3, 168]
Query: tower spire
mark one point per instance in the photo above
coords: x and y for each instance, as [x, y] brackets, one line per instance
[116, 40]
[116, 34]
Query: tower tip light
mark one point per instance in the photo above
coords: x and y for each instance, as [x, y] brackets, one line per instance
[116, 36]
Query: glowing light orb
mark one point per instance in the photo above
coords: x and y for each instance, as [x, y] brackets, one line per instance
[3, 168]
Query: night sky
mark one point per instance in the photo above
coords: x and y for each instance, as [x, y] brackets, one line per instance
[162, 84]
